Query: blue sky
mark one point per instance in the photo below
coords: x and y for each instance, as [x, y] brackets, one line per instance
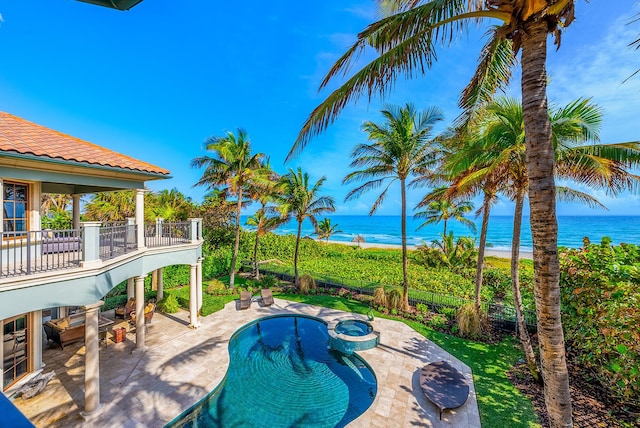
[156, 81]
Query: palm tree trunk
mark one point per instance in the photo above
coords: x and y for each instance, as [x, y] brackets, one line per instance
[236, 248]
[486, 208]
[544, 226]
[296, 281]
[256, 271]
[525, 339]
[444, 232]
[405, 280]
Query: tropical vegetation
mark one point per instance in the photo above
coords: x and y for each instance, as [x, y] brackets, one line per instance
[232, 169]
[405, 41]
[300, 199]
[400, 148]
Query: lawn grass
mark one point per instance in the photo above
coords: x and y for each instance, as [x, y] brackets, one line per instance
[210, 304]
[499, 402]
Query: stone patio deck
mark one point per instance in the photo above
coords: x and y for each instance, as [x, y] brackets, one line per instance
[182, 365]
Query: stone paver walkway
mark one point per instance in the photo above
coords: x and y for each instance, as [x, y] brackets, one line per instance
[182, 365]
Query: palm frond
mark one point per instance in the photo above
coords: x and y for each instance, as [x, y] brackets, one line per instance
[567, 194]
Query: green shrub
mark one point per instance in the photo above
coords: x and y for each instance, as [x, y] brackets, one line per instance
[211, 304]
[307, 283]
[448, 312]
[216, 286]
[268, 281]
[601, 313]
[216, 263]
[175, 276]
[422, 308]
[497, 281]
[437, 321]
[169, 304]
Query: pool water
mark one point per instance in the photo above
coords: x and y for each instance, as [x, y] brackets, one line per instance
[282, 374]
[353, 328]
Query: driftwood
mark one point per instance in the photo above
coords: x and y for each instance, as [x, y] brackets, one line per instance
[35, 386]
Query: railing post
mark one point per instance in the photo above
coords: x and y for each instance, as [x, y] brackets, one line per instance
[140, 218]
[195, 229]
[159, 222]
[130, 234]
[91, 244]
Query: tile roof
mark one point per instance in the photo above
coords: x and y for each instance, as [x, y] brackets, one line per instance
[24, 137]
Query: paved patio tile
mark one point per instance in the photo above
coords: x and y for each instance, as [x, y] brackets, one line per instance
[182, 365]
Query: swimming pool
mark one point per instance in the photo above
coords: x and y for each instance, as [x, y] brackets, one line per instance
[282, 374]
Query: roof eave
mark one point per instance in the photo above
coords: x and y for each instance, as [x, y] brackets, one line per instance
[147, 174]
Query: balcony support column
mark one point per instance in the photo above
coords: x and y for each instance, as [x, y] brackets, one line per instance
[193, 297]
[92, 405]
[140, 333]
[130, 288]
[140, 217]
[76, 211]
[199, 284]
[160, 294]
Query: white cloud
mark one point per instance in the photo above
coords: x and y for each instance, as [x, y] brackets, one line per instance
[369, 14]
[599, 71]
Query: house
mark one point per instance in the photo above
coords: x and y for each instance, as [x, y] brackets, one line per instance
[44, 272]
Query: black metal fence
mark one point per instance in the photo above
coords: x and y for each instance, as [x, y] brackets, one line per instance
[501, 316]
[116, 240]
[30, 252]
[166, 234]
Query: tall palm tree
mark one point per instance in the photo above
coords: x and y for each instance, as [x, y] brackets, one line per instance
[235, 167]
[442, 209]
[264, 223]
[325, 229]
[400, 148]
[264, 220]
[501, 138]
[405, 40]
[301, 200]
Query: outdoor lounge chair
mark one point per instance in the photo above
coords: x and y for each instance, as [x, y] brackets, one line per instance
[445, 386]
[148, 314]
[124, 311]
[245, 299]
[267, 297]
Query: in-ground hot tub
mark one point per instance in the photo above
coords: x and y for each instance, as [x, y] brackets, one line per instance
[349, 335]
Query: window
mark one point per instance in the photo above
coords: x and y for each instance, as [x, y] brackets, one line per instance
[14, 203]
[14, 342]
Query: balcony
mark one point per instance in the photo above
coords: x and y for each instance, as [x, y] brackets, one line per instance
[42, 251]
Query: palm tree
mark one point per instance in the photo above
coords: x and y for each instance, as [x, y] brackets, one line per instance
[501, 141]
[325, 229]
[442, 209]
[298, 199]
[113, 206]
[401, 147]
[234, 167]
[405, 40]
[263, 223]
[171, 205]
[52, 203]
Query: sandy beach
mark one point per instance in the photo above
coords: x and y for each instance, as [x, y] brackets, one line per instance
[505, 254]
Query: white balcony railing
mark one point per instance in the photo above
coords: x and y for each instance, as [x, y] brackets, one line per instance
[31, 252]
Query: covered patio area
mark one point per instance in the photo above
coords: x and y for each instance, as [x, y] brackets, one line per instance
[182, 365]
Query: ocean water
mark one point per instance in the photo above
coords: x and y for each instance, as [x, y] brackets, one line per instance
[386, 230]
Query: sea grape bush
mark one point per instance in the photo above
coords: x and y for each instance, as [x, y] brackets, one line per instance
[371, 268]
[600, 287]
